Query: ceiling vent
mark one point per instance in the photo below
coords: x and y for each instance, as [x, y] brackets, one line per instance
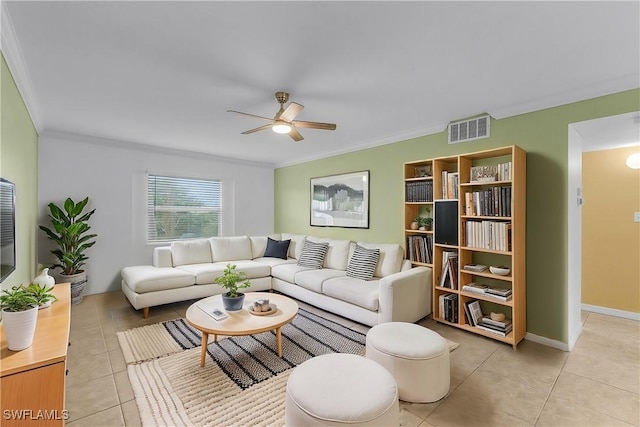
[468, 130]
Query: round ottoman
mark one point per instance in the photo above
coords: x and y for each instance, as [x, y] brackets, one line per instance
[417, 357]
[337, 389]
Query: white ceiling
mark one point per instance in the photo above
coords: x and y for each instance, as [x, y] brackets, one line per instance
[164, 73]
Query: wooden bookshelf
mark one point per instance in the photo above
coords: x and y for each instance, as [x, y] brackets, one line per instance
[491, 239]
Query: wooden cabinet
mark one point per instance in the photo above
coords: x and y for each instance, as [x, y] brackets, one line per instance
[480, 198]
[32, 381]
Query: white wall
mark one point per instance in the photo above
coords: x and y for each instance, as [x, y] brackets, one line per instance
[113, 175]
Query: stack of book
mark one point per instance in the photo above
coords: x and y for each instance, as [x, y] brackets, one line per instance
[449, 276]
[502, 294]
[420, 249]
[448, 304]
[501, 328]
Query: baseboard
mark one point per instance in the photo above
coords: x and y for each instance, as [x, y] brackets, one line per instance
[547, 341]
[611, 312]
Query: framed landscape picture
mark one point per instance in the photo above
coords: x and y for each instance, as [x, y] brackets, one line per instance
[340, 200]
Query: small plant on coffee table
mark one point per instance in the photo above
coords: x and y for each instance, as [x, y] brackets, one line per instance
[229, 280]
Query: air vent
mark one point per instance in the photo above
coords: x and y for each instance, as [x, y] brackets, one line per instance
[468, 130]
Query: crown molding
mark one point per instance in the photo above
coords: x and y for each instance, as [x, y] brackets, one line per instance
[399, 137]
[53, 136]
[15, 61]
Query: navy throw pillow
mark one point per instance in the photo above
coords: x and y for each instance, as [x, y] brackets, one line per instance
[277, 248]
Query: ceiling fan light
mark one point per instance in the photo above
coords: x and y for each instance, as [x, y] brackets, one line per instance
[281, 128]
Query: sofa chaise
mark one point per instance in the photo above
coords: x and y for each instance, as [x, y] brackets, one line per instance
[187, 269]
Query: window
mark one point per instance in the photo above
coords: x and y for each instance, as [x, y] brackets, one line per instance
[183, 208]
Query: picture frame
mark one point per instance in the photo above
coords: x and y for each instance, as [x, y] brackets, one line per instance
[340, 200]
[423, 171]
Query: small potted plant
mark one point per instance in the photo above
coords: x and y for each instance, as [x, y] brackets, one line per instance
[424, 223]
[42, 295]
[19, 315]
[232, 300]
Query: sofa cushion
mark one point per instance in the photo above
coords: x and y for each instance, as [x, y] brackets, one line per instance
[287, 271]
[313, 254]
[337, 253]
[277, 248]
[390, 261]
[313, 279]
[272, 262]
[230, 248]
[363, 293]
[259, 244]
[190, 252]
[363, 262]
[297, 242]
[205, 273]
[146, 278]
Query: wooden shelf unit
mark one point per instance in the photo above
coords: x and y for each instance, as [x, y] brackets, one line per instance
[33, 380]
[514, 309]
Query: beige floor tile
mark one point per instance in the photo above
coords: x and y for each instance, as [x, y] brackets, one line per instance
[565, 413]
[86, 367]
[605, 363]
[460, 410]
[422, 410]
[532, 363]
[426, 424]
[131, 414]
[116, 358]
[409, 419]
[123, 386]
[111, 417]
[90, 397]
[87, 343]
[507, 395]
[611, 401]
[111, 342]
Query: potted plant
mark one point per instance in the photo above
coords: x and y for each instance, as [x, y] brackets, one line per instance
[19, 315]
[42, 295]
[232, 300]
[70, 233]
[424, 223]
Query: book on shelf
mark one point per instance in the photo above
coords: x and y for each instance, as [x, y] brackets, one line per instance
[476, 268]
[496, 323]
[502, 292]
[212, 310]
[420, 249]
[419, 191]
[499, 172]
[476, 288]
[494, 331]
[446, 275]
[475, 312]
[451, 308]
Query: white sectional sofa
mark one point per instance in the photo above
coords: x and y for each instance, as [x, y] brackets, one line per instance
[186, 270]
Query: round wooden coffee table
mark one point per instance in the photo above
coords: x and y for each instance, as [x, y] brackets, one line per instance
[240, 322]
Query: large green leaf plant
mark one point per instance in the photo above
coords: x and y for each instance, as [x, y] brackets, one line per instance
[70, 233]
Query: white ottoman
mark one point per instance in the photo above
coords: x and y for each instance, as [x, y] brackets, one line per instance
[417, 357]
[338, 389]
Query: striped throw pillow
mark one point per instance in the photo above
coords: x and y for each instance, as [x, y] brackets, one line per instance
[363, 263]
[313, 254]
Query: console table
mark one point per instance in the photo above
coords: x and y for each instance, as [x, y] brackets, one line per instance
[32, 380]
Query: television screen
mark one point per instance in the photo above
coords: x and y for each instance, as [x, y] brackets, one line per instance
[7, 228]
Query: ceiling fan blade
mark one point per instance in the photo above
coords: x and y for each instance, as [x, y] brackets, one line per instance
[295, 135]
[291, 112]
[263, 127]
[314, 125]
[250, 115]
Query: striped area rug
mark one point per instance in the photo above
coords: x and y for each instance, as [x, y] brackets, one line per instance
[243, 382]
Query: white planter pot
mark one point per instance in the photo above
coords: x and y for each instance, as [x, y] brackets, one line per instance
[19, 327]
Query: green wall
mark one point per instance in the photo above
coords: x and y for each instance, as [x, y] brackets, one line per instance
[543, 134]
[19, 164]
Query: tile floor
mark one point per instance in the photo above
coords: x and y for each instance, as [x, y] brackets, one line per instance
[597, 384]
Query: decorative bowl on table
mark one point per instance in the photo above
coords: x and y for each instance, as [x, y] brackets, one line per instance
[500, 270]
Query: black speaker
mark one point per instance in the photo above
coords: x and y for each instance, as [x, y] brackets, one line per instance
[446, 222]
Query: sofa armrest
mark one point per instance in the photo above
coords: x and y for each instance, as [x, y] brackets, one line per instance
[405, 296]
[162, 256]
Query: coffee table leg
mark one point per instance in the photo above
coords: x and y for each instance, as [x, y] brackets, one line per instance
[279, 342]
[203, 352]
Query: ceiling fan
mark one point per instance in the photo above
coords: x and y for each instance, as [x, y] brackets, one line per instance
[283, 121]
